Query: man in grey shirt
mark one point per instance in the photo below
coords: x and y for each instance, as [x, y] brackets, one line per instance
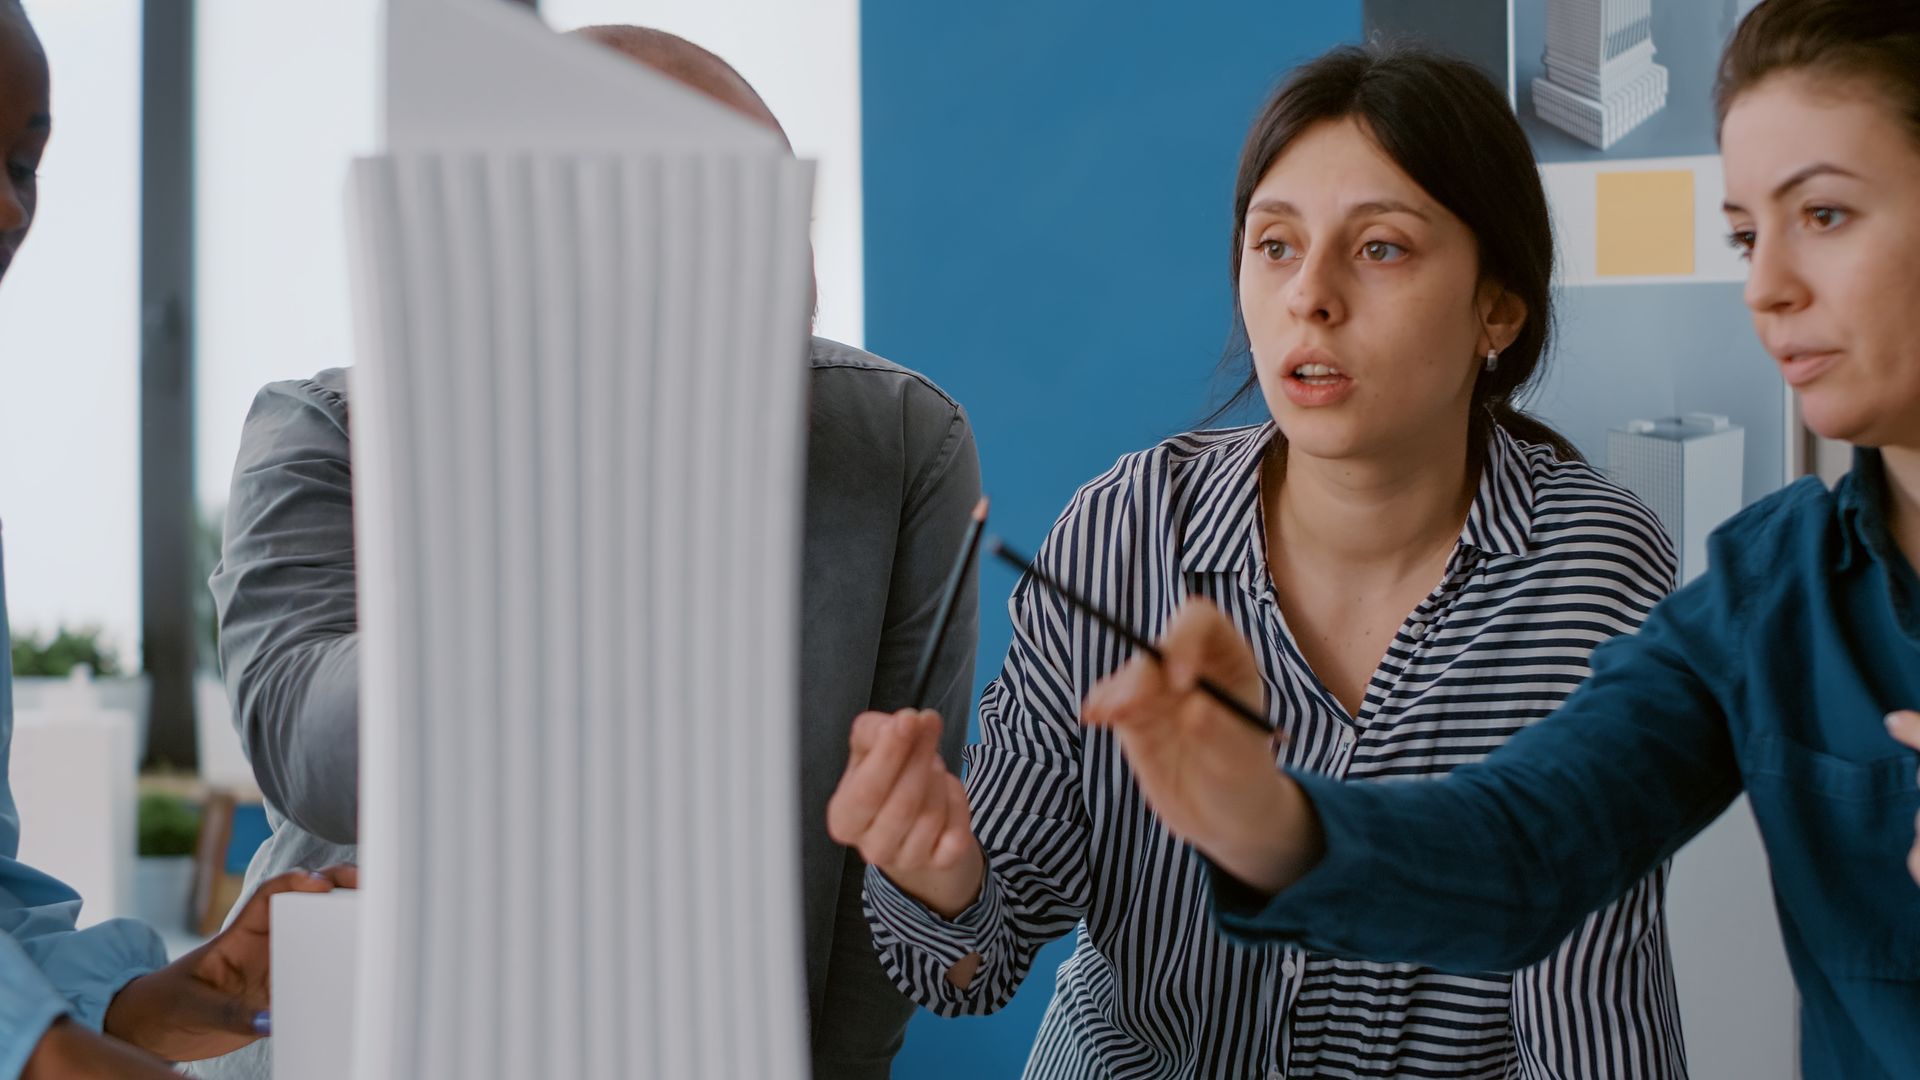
[892, 476]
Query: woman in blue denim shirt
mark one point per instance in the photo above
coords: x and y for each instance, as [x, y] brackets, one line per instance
[1790, 670]
[59, 985]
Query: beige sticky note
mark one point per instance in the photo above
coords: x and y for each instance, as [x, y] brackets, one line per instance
[1644, 222]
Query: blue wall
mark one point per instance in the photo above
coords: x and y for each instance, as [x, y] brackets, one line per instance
[1048, 215]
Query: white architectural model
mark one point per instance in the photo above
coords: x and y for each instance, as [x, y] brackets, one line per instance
[1601, 81]
[582, 293]
[1688, 470]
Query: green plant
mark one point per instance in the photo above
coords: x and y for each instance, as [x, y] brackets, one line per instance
[36, 654]
[169, 825]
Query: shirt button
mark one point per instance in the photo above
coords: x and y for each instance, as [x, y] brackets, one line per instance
[1289, 968]
[1276, 1074]
[1417, 631]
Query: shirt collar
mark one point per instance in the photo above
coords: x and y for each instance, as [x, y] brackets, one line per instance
[1222, 518]
[1501, 521]
[1861, 498]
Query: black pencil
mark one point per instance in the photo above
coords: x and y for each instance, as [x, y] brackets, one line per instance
[1207, 686]
[943, 615]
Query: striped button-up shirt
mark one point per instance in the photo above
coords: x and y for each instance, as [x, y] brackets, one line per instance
[1553, 560]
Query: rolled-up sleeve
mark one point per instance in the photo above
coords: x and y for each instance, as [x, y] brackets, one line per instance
[47, 968]
[28, 1006]
[284, 593]
[86, 968]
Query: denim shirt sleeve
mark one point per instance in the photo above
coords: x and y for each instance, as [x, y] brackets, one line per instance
[47, 968]
[1490, 868]
[28, 1006]
[40, 951]
[284, 594]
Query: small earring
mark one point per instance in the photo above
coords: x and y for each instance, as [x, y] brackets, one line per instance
[1493, 359]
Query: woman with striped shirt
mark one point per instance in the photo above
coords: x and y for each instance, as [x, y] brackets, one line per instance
[1425, 571]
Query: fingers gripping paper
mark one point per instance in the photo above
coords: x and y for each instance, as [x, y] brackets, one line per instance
[581, 294]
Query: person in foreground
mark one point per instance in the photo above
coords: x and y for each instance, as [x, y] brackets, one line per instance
[60, 987]
[1789, 670]
[1426, 570]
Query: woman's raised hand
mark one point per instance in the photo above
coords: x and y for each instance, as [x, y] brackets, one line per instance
[1209, 776]
[900, 807]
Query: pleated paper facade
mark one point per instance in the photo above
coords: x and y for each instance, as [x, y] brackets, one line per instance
[578, 457]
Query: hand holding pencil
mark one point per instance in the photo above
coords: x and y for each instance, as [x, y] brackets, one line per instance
[1205, 770]
[1201, 754]
[897, 803]
[900, 807]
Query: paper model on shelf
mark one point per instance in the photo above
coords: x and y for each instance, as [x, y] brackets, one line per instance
[1601, 80]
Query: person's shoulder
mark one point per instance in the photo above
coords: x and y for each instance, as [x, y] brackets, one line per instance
[1761, 563]
[1578, 505]
[1803, 503]
[1796, 523]
[1165, 483]
[875, 424]
[1180, 461]
[295, 434]
[325, 391]
[845, 375]
[317, 401]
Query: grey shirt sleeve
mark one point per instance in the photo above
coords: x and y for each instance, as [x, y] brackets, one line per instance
[284, 594]
[933, 523]
[864, 1024]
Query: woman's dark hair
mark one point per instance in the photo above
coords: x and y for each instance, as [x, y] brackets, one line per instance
[1874, 41]
[1450, 129]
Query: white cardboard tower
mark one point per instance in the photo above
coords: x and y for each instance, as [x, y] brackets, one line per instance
[581, 295]
[1601, 80]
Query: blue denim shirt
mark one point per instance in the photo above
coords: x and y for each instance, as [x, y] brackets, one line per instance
[1772, 673]
[47, 968]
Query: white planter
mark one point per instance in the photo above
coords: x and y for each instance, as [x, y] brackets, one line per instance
[223, 763]
[162, 892]
[120, 693]
[74, 771]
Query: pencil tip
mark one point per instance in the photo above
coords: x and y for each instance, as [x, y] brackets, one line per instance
[980, 509]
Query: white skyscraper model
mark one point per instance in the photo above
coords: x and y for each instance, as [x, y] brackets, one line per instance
[581, 294]
[1601, 81]
[1688, 470]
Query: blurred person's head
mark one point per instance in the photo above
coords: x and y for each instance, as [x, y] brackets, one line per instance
[689, 64]
[682, 60]
[1819, 104]
[1390, 233]
[25, 122]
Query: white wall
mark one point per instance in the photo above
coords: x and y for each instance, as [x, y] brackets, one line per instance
[287, 97]
[804, 59]
[279, 124]
[69, 340]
